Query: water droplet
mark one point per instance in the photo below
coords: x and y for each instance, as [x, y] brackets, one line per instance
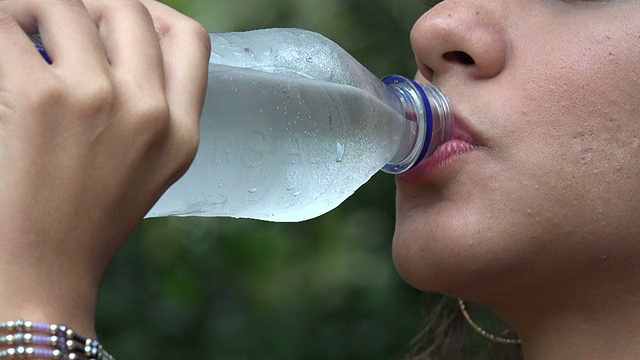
[297, 193]
[219, 200]
[252, 190]
[339, 152]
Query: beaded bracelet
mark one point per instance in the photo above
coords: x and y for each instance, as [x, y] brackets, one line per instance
[26, 339]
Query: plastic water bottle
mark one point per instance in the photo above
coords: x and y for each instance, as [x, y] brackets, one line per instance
[293, 125]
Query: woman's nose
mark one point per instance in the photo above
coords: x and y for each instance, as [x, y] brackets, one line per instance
[457, 36]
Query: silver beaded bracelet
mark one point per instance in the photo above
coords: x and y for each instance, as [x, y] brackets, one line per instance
[26, 339]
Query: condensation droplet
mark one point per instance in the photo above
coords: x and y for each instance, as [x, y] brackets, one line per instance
[220, 200]
[339, 152]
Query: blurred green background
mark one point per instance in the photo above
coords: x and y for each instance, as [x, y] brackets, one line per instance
[242, 289]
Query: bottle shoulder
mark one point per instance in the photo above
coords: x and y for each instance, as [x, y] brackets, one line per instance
[289, 52]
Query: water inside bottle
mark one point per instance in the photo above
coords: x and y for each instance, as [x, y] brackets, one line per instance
[277, 147]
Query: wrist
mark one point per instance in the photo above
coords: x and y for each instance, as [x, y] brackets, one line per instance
[55, 297]
[80, 321]
[46, 282]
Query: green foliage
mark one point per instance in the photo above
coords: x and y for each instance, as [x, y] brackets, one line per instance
[241, 289]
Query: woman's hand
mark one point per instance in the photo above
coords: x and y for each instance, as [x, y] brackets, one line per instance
[88, 143]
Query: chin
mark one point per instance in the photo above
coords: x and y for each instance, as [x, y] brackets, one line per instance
[451, 247]
[424, 243]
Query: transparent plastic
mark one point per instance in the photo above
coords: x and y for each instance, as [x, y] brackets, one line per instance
[293, 125]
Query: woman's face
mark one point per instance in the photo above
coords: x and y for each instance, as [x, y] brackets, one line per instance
[548, 94]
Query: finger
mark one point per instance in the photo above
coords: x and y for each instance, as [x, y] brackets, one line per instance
[130, 40]
[186, 48]
[19, 55]
[68, 32]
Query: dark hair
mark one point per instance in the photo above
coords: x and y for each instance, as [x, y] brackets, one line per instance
[447, 336]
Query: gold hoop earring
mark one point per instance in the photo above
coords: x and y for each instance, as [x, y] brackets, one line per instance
[483, 332]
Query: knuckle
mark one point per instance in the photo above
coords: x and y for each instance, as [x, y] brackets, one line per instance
[191, 141]
[74, 4]
[95, 97]
[85, 99]
[199, 33]
[185, 28]
[49, 92]
[187, 143]
[132, 6]
[151, 117]
[136, 7]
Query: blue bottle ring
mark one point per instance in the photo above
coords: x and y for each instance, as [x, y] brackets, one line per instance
[397, 79]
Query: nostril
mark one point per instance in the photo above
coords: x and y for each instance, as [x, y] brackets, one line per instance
[459, 57]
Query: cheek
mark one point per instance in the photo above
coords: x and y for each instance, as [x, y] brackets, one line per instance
[580, 125]
[559, 184]
[482, 227]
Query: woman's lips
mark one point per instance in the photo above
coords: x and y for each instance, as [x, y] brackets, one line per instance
[461, 143]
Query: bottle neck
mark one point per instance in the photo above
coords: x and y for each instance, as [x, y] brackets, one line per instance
[428, 121]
